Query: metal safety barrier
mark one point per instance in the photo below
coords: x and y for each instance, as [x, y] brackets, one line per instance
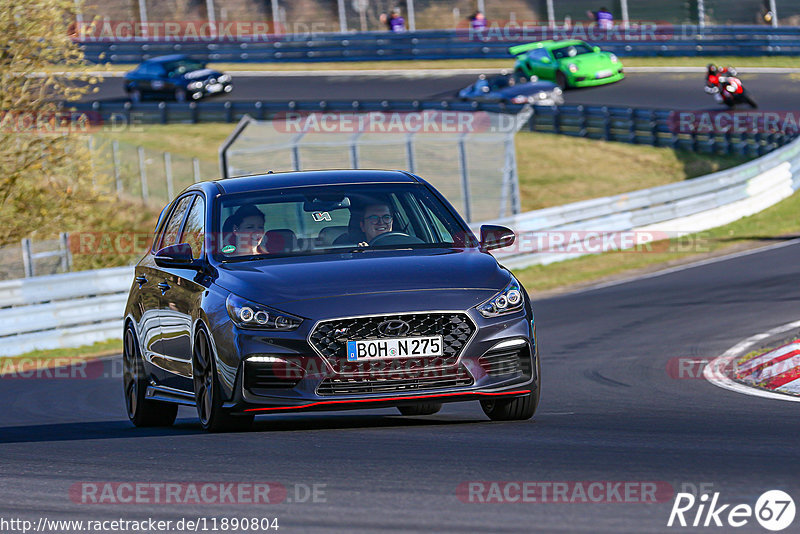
[636, 40]
[669, 211]
[655, 127]
[62, 310]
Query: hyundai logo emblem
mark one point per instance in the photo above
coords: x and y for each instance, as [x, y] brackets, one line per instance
[394, 328]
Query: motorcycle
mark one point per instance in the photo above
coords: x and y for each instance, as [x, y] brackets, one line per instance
[729, 90]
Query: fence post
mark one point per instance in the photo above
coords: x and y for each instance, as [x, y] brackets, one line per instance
[774, 10]
[115, 157]
[410, 162]
[142, 173]
[701, 13]
[342, 17]
[276, 17]
[196, 169]
[27, 258]
[462, 158]
[143, 17]
[168, 173]
[412, 23]
[66, 255]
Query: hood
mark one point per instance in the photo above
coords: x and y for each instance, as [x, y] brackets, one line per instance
[201, 74]
[367, 282]
[590, 62]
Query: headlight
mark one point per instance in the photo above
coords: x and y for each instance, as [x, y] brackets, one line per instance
[572, 67]
[542, 95]
[509, 300]
[248, 314]
[557, 90]
[614, 58]
[224, 78]
[195, 85]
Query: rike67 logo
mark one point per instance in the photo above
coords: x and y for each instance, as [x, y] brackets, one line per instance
[774, 510]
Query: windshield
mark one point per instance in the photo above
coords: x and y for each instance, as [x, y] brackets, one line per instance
[179, 68]
[572, 51]
[333, 219]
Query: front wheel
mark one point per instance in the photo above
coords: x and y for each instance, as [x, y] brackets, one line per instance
[141, 410]
[514, 409]
[561, 80]
[207, 394]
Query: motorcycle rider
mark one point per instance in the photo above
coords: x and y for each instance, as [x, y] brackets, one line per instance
[712, 81]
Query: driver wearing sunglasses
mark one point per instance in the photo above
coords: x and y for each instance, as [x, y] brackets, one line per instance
[377, 220]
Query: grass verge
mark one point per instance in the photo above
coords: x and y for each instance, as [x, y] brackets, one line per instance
[553, 169]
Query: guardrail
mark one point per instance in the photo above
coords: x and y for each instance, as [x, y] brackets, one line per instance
[641, 40]
[62, 310]
[669, 211]
[655, 127]
[83, 307]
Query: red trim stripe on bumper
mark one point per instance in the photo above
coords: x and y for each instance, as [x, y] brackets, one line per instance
[386, 399]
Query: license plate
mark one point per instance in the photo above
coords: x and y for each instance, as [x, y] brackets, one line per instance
[214, 88]
[401, 347]
[604, 74]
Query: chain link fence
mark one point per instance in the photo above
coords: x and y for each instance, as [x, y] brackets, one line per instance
[306, 17]
[468, 156]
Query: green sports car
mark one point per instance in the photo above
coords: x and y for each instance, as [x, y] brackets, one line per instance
[568, 63]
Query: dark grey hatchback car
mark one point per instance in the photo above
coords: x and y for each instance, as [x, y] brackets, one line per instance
[324, 290]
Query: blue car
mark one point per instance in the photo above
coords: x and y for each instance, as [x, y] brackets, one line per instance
[508, 88]
[324, 290]
[176, 77]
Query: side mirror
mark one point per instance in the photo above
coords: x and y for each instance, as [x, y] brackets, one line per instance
[545, 60]
[179, 255]
[493, 237]
[596, 49]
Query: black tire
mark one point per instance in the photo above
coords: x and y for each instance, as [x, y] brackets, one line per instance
[141, 410]
[561, 81]
[516, 408]
[427, 408]
[207, 394]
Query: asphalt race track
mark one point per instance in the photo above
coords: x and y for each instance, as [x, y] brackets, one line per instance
[609, 412]
[676, 91]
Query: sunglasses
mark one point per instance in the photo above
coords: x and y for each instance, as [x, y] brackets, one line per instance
[375, 219]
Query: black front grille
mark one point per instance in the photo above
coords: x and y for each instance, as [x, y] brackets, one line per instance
[330, 339]
[396, 383]
[507, 363]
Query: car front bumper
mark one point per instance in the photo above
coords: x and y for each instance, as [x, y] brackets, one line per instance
[287, 374]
